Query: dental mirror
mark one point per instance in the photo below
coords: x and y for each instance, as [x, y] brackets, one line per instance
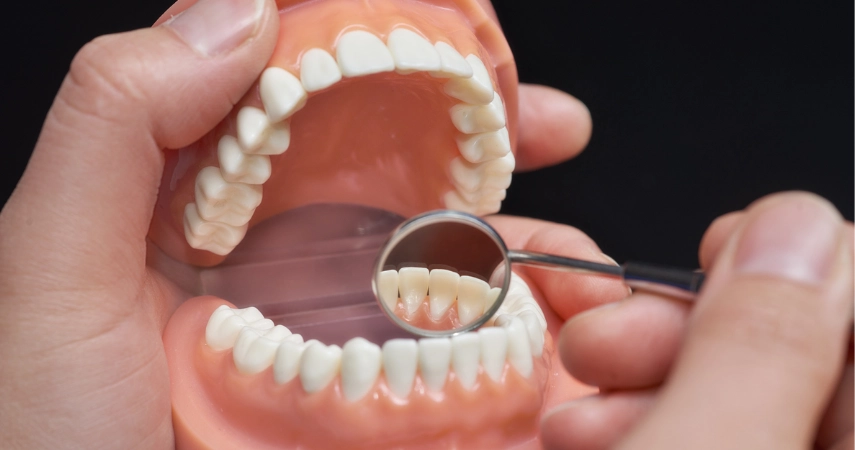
[444, 272]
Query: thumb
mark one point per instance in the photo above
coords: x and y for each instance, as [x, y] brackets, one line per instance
[767, 340]
[92, 181]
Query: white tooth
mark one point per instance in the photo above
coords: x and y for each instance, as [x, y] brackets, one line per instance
[295, 338]
[535, 332]
[252, 128]
[278, 140]
[360, 367]
[483, 195]
[452, 63]
[492, 296]
[362, 53]
[465, 356]
[494, 348]
[217, 200]
[413, 284]
[238, 167]
[453, 201]
[471, 298]
[214, 237]
[281, 92]
[488, 206]
[319, 364]
[400, 360]
[475, 90]
[255, 350]
[286, 366]
[518, 286]
[261, 324]
[443, 291]
[318, 70]
[411, 52]
[481, 147]
[250, 314]
[434, 360]
[387, 287]
[519, 349]
[471, 119]
[530, 304]
[493, 174]
[213, 334]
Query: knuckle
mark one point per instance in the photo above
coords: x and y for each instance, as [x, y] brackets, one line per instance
[104, 73]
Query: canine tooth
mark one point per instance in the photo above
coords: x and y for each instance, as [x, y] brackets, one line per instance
[434, 360]
[492, 296]
[412, 52]
[519, 349]
[465, 355]
[238, 167]
[400, 360]
[443, 291]
[217, 200]
[535, 332]
[471, 298]
[387, 288]
[252, 128]
[413, 284]
[278, 140]
[286, 365]
[481, 147]
[319, 364]
[318, 70]
[281, 93]
[471, 119]
[255, 350]
[362, 53]
[360, 366]
[452, 62]
[475, 90]
[215, 237]
[494, 349]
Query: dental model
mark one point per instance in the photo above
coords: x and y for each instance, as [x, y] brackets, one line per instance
[368, 112]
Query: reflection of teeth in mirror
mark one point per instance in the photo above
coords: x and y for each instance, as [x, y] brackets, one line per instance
[492, 296]
[387, 288]
[443, 291]
[474, 90]
[412, 53]
[413, 283]
[471, 298]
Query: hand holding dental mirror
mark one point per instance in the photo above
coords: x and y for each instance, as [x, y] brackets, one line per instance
[445, 272]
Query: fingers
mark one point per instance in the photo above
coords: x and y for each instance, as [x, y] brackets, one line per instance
[716, 236]
[594, 423]
[567, 293]
[96, 168]
[766, 340]
[838, 419]
[554, 127]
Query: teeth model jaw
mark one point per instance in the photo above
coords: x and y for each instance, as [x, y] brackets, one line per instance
[398, 105]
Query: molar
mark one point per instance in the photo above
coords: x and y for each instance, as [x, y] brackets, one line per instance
[225, 323]
[400, 361]
[281, 93]
[238, 167]
[411, 52]
[318, 70]
[471, 119]
[362, 53]
[319, 364]
[475, 90]
[217, 200]
[255, 350]
[483, 147]
[360, 366]
[465, 356]
[434, 361]
[215, 237]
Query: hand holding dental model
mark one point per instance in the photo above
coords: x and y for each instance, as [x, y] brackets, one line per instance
[84, 308]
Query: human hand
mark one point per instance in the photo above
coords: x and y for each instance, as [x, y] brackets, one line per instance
[759, 362]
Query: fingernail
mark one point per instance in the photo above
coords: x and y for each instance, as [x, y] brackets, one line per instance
[214, 27]
[795, 240]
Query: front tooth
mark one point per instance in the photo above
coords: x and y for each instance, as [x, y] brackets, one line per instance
[318, 70]
[535, 332]
[238, 167]
[252, 128]
[255, 350]
[471, 298]
[413, 284]
[286, 365]
[482, 147]
[475, 90]
[362, 53]
[278, 140]
[319, 364]
[281, 93]
[360, 366]
[217, 200]
[434, 360]
[387, 288]
[443, 291]
[494, 349]
[215, 237]
[465, 356]
[492, 296]
[400, 360]
[412, 52]
[519, 349]
[452, 62]
[471, 119]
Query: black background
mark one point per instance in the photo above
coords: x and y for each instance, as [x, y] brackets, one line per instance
[698, 107]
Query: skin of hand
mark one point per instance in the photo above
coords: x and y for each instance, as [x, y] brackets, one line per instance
[83, 365]
[763, 360]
